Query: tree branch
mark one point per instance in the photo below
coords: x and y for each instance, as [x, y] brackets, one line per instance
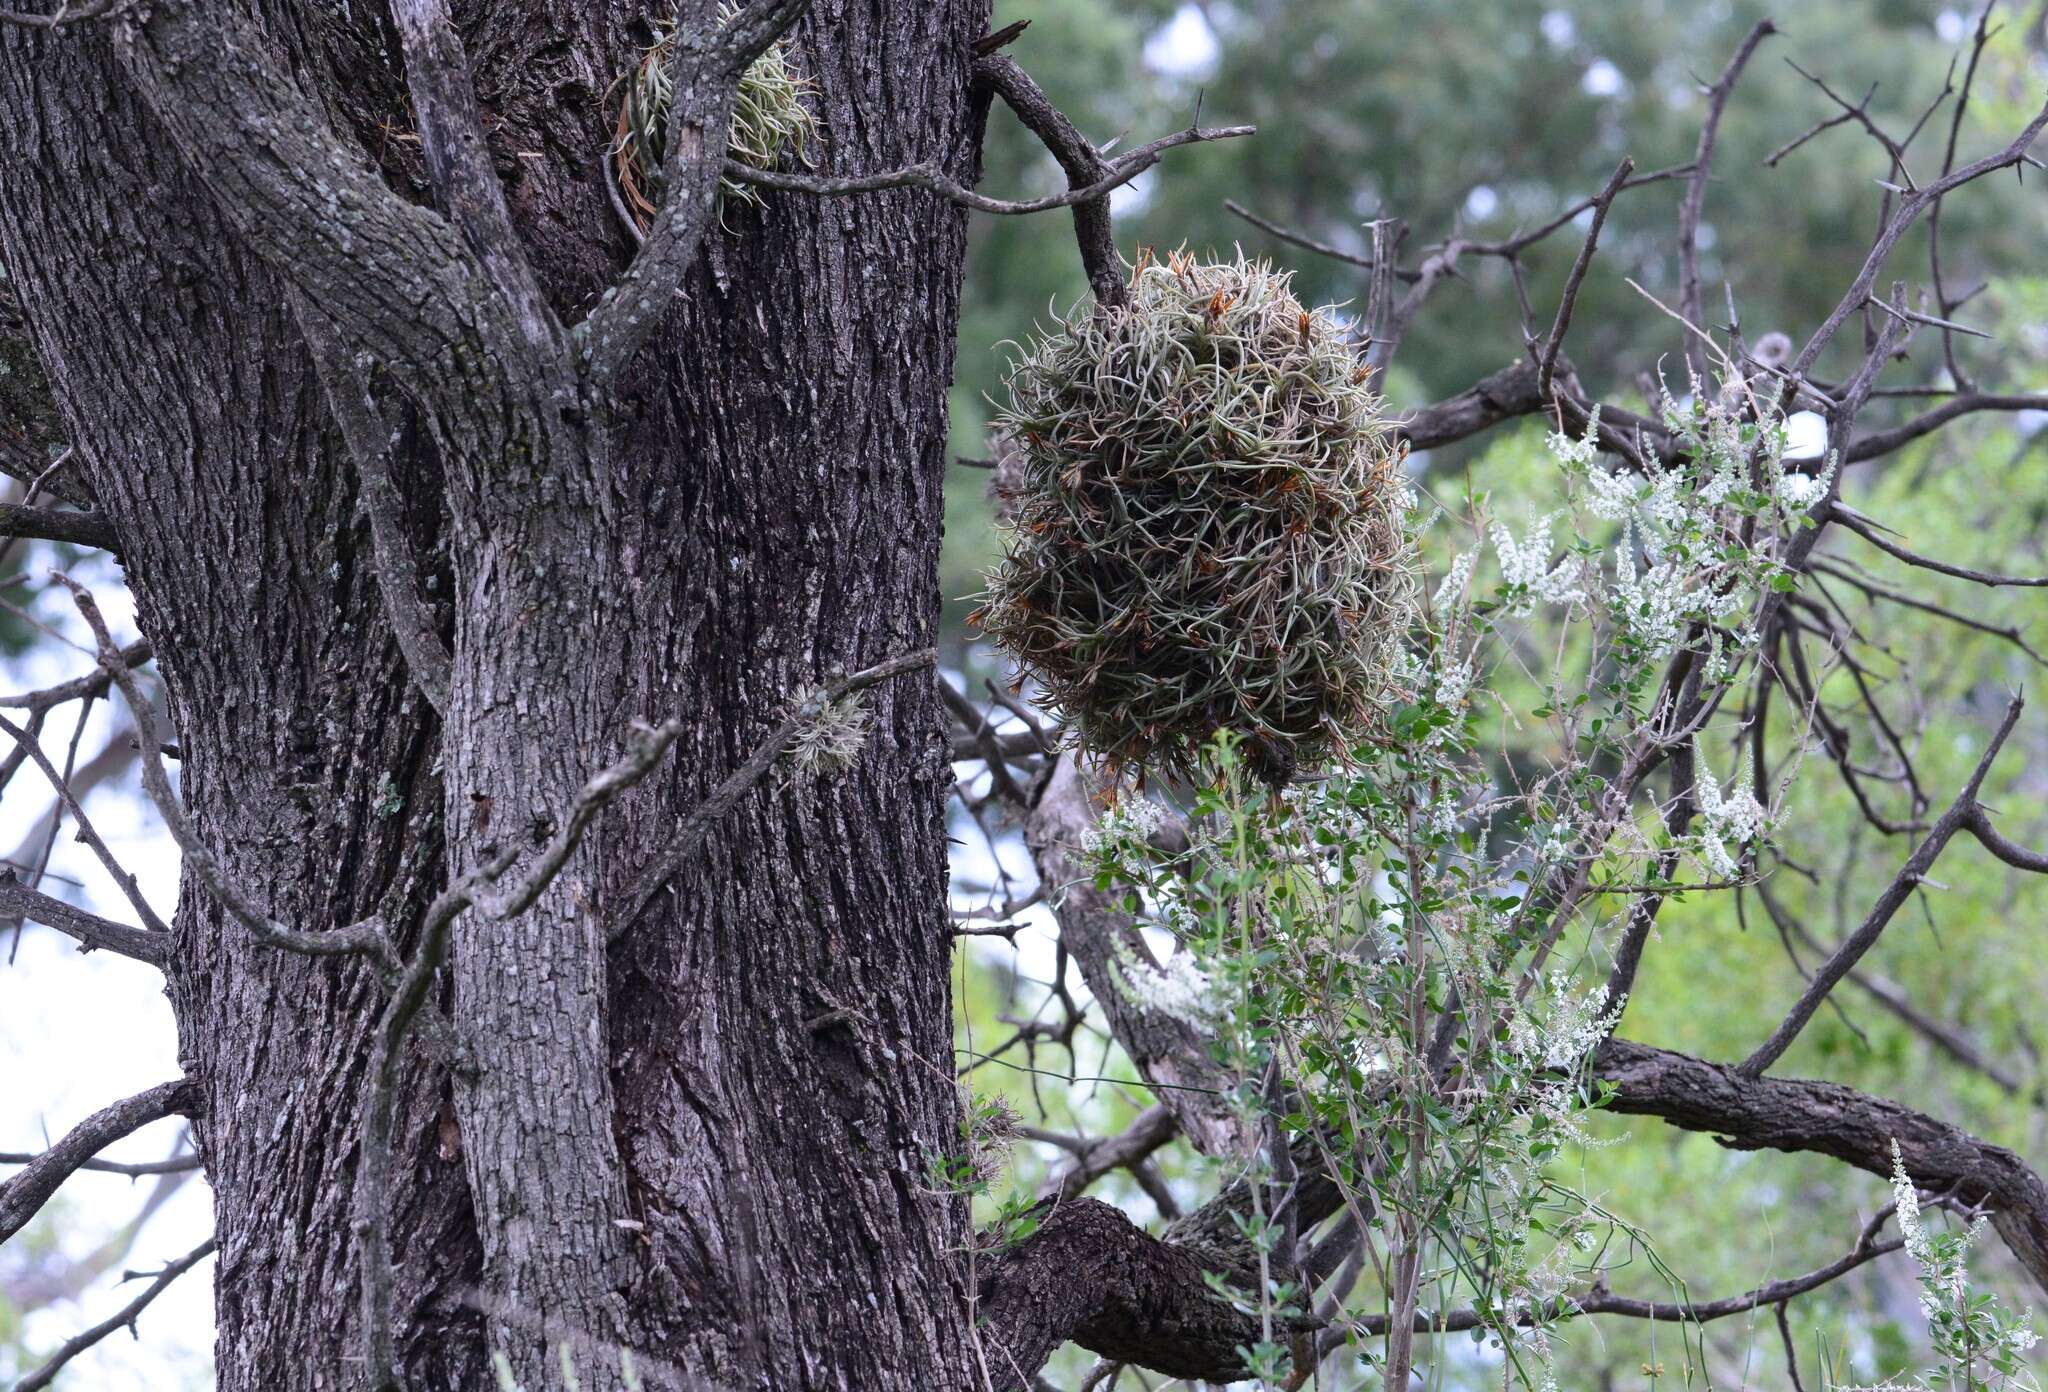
[347, 385]
[706, 62]
[396, 278]
[1099, 935]
[697, 825]
[1547, 364]
[124, 1319]
[1083, 164]
[466, 185]
[1766, 1113]
[368, 937]
[1696, 191]
[89, 930]
[1909, 210]
[1089, 1275]
[1862, 526]
[23, 1196]
[1845, 957]
[1122, 170]
[53, 524]
[1882, 442]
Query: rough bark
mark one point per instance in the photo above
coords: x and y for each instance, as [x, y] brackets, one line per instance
[1748, 1113]
[659, 1148]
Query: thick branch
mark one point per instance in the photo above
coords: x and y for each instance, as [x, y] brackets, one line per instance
[1077, 156]
[347, 385]
[1098, 933]
[466, 184]
[93, 933]
[1827, 1119]
[706, 62]
[23, 1196]
[395, 277]
[1089, 1275]
[52, 524]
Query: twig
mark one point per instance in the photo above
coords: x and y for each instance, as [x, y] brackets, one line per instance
[1865, 528]
[123, 1319]
[1122, 170]
[1547, 363]
[89, 930]
[1830, 972]
[367, 937]
[697, 825]
[1696, 189]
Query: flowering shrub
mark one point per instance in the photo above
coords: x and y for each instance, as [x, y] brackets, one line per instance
[1387, 933]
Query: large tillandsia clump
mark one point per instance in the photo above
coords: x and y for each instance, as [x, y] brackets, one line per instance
[769, 121]
[1209, 526]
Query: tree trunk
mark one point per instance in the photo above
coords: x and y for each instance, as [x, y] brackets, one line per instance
[712, 1146]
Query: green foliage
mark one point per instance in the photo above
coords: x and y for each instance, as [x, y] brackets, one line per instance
[1209, 523]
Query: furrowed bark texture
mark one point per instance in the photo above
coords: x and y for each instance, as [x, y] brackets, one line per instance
[664, 1146]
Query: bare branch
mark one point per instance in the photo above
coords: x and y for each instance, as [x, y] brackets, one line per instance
[1154, 1127]
[368, 937]
[94, 683]
[1895, 894]
[23, 1196]
[66, 14]
[124, 1319]
[1083, 164]
[1907, 213]
[1547, 363]
[1122, 170]
[347, 385]
[1696, 192]
[1601, 1301]
[697, 825]
[89, 930]
[2009, 851]
[1882, 442]
[52, 524]
[25, 741]
[177, 1164]
[706, 62]
[1098, 933]
[1862, 526]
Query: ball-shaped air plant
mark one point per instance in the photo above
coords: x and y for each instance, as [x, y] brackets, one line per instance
[769, 121]
[1209, 525]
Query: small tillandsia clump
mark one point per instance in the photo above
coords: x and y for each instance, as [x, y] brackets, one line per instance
[830, 733]
[1209, 530]
[770, 121]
